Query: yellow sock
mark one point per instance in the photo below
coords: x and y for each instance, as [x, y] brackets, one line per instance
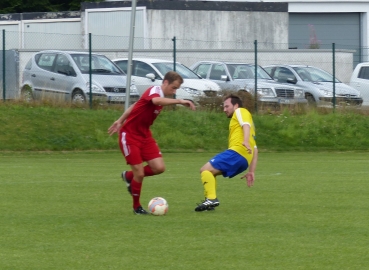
[209, 182]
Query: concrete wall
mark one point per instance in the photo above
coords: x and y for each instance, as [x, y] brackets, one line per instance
[219, 29]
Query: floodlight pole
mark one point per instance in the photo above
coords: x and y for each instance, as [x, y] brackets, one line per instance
[130, 53]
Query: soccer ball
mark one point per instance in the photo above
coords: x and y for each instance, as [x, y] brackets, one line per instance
[158, 206]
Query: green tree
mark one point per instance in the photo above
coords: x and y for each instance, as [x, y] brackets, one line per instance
[22, 6]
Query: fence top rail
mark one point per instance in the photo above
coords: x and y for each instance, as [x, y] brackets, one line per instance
[205, 50]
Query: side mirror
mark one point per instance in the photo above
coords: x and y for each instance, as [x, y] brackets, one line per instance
[290, 80]
[151, 76]
[224, 78]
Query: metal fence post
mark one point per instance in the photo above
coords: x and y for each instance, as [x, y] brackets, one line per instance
[174, 58]
[256, 75]
[4, 73]
[174, 53]
[90, 68]
[130, 54]
[334, 74]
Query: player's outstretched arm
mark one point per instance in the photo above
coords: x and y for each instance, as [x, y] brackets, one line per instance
[117, 124]
[171, 101]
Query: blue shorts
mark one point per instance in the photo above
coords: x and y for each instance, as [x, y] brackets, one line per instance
[230, 163]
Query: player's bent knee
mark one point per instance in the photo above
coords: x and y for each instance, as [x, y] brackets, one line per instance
[159, 170]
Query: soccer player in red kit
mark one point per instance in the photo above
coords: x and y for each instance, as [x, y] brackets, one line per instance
[135, 139]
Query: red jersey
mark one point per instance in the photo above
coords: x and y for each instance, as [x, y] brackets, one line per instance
[143, 114]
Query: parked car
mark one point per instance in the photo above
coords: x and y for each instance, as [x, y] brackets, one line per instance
[241, 76]
[317, 84]
[360, 81]
[147, 72]
[64, 75]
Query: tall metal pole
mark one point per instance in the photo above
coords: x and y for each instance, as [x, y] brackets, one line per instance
[174, 59]
[90, 64]
[256, 75]
[4, 73]
[130, 53]
[334, 74]
[174, 53]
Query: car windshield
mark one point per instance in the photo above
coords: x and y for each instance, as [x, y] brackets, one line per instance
[312, 74]
[99, 64]
[245, 71]
[182, 70]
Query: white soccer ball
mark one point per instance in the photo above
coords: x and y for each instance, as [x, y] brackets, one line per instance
[158, 206]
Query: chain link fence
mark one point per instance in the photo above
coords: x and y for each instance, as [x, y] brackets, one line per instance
[18, 49]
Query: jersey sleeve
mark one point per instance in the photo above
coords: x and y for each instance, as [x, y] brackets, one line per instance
[243, 117]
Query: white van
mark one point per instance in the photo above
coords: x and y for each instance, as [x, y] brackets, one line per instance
[360, 81]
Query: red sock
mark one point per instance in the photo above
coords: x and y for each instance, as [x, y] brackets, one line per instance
[147, 171]
[136, 192]
[129, 175]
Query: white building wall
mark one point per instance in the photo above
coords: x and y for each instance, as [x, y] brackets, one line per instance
[218, 27]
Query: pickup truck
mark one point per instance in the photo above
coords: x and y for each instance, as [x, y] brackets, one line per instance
[360, 81]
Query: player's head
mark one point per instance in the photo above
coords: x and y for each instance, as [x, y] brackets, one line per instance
[230, 103]
[171, 82]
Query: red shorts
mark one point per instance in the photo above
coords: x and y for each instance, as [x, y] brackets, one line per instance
[138, 149]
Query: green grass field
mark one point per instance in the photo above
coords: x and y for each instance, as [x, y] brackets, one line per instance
[70, 210]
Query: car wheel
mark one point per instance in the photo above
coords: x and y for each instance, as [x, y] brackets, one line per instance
[310, 99]
[78, 97]
[26, 94]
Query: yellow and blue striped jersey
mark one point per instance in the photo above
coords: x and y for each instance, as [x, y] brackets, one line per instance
[241, 116]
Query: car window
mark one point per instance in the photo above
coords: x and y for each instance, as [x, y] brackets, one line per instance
[202, 70]
[217, 71]
[99, 64]
[270, 71]
[364, 73]
[316, 74]
[182, 70]
[304, 75]
[122, 64]
[63, 65]
[141, 69]
[241, 71]
[283, 74]
[46, 61]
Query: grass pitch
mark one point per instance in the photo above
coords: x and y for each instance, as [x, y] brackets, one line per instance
[70, 210]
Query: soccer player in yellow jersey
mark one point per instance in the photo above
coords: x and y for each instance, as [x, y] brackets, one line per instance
[242, 153]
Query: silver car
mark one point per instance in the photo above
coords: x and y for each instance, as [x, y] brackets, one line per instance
[317, 84]
[64, 75]
[241, 76]
[147, 72]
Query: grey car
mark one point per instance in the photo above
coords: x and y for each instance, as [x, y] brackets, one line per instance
[317, 84]
[241, 76]
[64, 75]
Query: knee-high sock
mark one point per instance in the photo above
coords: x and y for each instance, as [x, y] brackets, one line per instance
[209, 182]
[147, 171]
[136, 193]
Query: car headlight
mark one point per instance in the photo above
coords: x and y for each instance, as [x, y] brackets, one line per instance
[326, 92]
[299, 93]
[191, 91]
[266, 92]
[94, 88]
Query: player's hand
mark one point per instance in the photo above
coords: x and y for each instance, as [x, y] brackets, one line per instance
[189, 104]
[250, 178]
[114, 128]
